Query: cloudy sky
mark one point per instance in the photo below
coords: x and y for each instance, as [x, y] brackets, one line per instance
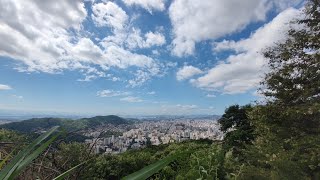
[132, 57]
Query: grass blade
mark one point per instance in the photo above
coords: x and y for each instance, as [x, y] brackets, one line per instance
[33, 156]
[7, 171]
[151, 169]
[63, 175]
[3, 162]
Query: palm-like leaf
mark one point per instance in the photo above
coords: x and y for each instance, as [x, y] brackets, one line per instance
[24, 157]
[66, 173]
[151, 169]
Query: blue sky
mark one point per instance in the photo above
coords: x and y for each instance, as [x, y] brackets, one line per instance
[136, 57]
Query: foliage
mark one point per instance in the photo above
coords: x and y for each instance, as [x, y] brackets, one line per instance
[25, 157]
[10, 136]
[118, 166]
[237, 126]
[294, 65]
[151, 169]
[39, 124]
[288, 125]
[100, 120]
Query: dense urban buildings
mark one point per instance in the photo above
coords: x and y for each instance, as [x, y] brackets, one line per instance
[147, 132]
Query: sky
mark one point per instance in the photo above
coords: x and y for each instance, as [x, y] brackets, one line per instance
[136, 57]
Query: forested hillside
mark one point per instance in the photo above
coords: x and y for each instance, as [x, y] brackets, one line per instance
[37, 124]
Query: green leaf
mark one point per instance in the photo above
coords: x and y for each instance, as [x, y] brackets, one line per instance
[151, 169]
[3, 162]
[33, 155]
[7, 171]
[63, 175]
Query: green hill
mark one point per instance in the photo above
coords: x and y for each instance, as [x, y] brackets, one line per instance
[37, 124]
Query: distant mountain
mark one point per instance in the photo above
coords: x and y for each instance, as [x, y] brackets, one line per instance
[99, 120]
[176, 117]
[36, 124]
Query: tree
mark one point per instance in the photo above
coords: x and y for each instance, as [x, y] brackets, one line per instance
[238, 129]
[293, 83]
[294, 78]
[288, 125]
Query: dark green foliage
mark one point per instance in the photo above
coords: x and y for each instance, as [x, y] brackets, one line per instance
[234, 116]
[288, 125]
[294, 76]
[28, 154]
[192, 164]
[34, 124]
[38, 124]
[151, 169]
[10, 136]
[236, 124]
[100, 120]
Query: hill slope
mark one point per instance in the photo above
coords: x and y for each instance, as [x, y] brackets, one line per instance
[36, 124]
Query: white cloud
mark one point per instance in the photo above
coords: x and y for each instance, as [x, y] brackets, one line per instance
[154, 39]
[243, 70]
[47, 42]
[140, 78]
[186, 106]
[151, 92]
[131, 99]
[155, 52]
[194, 21]
[109, 14]
[134, 39]
[111, 93]
[183, 109]
[211, 95]
[17, 96]
[36, 32]
[149, 5]
[187, 72]
[5, 87]
[114, 79]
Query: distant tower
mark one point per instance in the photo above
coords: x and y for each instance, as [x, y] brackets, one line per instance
[112, 138]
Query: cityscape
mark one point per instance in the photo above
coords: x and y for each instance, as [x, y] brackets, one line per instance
[149, 132]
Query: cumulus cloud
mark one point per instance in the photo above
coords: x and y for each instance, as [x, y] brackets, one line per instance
[149, 5]
[194, 21]
[109, 14]
[36, 32]
[154, 39]
[243, 70]
[48, 36]
[135, 39]
[5, 87]
[187, 72]
[111, 93]
[131, 99]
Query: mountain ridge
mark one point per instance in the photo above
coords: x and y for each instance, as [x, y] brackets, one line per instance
[37, 124]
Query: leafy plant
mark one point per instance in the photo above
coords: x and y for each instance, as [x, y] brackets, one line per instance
[150, 170]
[27, 155]
[66, 173]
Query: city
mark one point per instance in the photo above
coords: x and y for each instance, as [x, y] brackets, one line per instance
[148, 132]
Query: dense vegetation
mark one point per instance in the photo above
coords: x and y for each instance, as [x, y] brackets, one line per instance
[278, 139]
[38, 124]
